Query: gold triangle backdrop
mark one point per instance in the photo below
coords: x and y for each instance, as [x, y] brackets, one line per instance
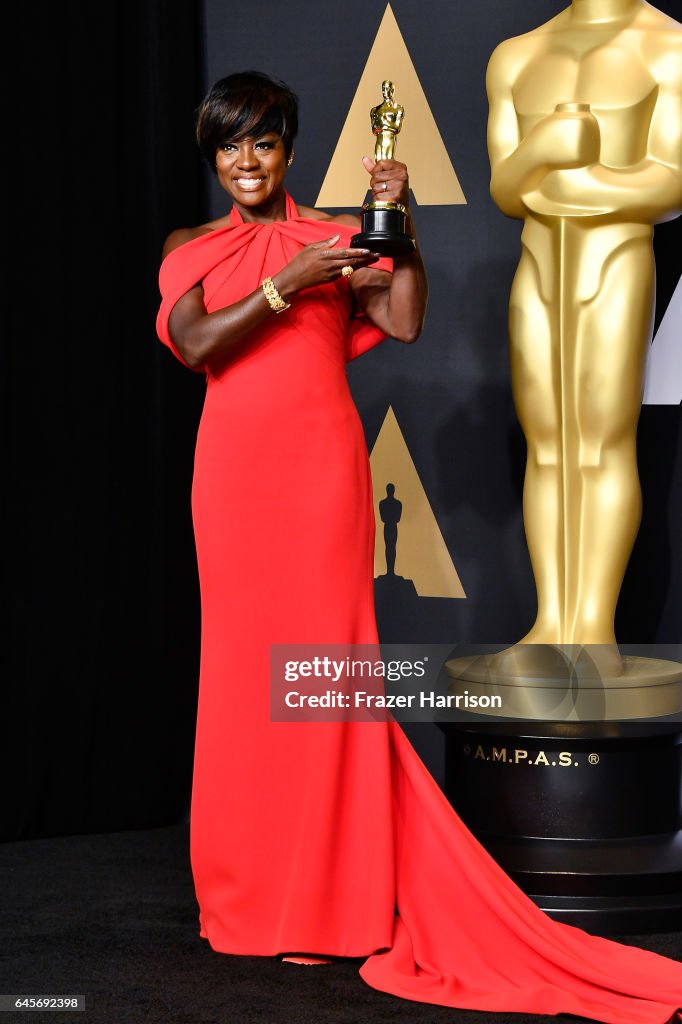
[432, 177]
[422, 555]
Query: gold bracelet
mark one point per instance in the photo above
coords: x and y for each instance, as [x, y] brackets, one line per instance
[277, 303]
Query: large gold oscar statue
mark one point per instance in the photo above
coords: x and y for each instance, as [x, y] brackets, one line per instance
[585, 143]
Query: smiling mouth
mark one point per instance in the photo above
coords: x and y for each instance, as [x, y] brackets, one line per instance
[249, 184]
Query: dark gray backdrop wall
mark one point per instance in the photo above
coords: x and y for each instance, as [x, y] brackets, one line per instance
[451, 393]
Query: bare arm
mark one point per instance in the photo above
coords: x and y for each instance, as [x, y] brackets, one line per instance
[202, 337]
[395, 302]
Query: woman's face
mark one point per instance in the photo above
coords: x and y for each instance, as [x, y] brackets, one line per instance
[252, 170]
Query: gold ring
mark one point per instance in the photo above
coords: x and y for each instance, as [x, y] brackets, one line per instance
[347, 271]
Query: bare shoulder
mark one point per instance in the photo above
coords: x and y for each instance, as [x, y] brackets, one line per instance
[351, 219]
[340, 218]
[182, 235]
[177, 238]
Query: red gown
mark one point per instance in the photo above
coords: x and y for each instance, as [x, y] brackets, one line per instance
[332, 837]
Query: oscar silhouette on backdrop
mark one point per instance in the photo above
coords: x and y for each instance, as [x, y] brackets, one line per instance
[390, 510]
[585, 142]
[396, 597]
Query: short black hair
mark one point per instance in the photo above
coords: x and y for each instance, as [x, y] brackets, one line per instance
[245, 104]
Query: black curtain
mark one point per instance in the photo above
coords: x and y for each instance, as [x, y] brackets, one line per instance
[102, 644]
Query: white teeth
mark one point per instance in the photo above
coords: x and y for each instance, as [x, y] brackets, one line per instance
[250, 183]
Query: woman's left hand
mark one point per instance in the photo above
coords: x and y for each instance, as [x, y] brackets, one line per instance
[395, 302]
[389, 181]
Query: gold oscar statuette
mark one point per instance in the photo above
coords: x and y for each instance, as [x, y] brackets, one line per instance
[384, 224]
[585, 143]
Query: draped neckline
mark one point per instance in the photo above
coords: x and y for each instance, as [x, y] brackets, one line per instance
[243, 249]
[236, 219]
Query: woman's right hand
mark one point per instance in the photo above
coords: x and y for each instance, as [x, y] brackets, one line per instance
[319, 263]
[203, 339]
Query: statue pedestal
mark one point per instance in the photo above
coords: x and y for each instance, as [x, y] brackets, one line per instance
[585, 816]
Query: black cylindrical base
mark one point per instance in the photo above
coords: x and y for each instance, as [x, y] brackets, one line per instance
[607, 887]
[585, 817]
[383, 231]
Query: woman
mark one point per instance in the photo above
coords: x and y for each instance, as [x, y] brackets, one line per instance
[328, 839]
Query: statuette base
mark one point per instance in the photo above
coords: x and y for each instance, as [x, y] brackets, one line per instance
[645, 688]
[384, 231]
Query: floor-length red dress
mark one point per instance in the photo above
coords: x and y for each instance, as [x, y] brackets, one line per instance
[332, 837]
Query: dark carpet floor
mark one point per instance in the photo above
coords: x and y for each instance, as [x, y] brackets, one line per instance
[113, 917]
